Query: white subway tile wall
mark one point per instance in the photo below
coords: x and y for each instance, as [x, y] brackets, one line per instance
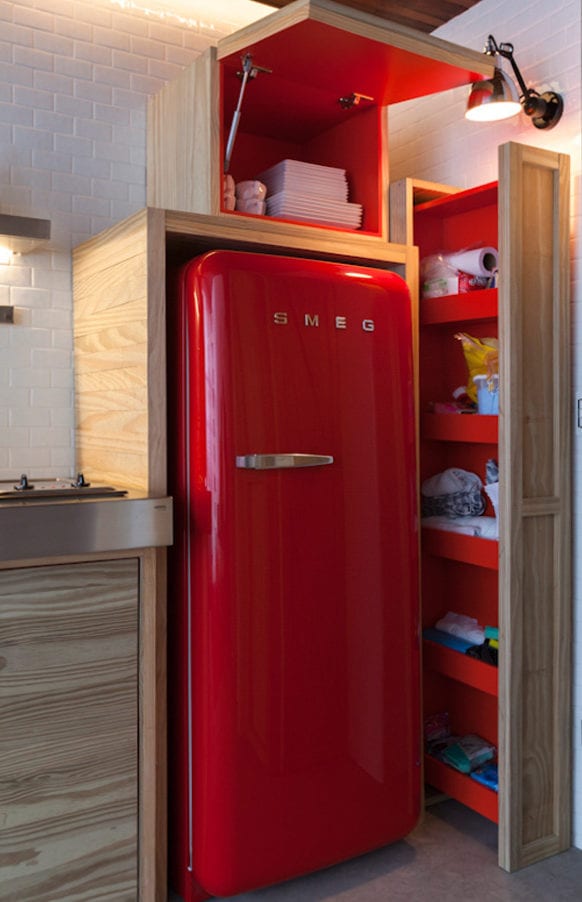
[74, 80]
[432, 140]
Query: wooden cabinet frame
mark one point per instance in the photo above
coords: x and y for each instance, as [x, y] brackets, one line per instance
[535, 505]
[146, 712]
[120, 313]
[319, 54]
[119, 283]
[535, 607]
[119, 280]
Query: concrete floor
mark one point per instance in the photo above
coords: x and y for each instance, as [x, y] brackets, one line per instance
[450, 857]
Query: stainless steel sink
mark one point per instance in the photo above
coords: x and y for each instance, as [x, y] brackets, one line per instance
[48, 518]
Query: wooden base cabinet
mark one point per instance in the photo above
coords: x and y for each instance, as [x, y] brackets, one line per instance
[77, 815]
[522, 582]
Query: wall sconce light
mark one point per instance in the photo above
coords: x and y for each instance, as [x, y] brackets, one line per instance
[22, 234]
[497, 97]
[5, 255]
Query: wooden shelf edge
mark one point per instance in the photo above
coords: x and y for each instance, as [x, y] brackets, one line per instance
[274, 233]
[460, 667]
[462, 788]
[466, 549]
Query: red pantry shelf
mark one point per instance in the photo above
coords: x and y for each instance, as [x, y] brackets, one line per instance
[462, 788]
[459, 308]
[460, 667]
[457, 547]
[459, 202]
[466, 427]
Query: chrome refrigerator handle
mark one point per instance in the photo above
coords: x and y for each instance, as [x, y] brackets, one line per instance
[282, 461]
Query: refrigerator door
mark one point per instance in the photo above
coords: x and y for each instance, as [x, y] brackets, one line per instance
[300, 565]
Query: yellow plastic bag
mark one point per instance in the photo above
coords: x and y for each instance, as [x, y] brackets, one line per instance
[481, 357]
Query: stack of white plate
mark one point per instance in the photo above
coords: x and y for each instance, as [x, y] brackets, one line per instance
[311, 193]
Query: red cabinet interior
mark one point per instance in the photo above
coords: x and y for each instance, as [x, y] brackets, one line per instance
[459, 787]
[459, 572]
[353, 143]
[294, 111]
[457, 221]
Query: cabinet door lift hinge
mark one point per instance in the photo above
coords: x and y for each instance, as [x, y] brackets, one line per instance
[249, 70]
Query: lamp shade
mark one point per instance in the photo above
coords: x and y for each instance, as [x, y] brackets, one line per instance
[494, 98]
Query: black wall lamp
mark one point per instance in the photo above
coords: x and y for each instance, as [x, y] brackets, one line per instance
[497, 97]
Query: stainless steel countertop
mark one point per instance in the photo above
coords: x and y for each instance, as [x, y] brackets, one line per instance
[52, 527]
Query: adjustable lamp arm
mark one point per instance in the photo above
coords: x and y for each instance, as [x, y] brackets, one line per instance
[492, 48]
[545, 109]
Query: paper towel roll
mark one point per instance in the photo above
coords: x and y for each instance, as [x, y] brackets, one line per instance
[481, 261]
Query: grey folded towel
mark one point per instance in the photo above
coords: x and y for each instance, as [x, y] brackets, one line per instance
[452, 493]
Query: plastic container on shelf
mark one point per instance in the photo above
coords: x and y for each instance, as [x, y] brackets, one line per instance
[487, 394]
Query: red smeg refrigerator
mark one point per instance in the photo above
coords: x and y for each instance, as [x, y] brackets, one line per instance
[293, 597]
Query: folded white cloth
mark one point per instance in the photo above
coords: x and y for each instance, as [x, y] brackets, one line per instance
[464, 627]
[485, 527]
[492, 490]
[450, 524]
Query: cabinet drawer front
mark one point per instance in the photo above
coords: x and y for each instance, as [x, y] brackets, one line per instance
[69, 731]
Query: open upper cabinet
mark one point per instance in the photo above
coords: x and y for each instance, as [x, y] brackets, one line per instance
[333, 70]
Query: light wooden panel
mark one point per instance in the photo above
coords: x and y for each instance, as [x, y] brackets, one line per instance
[118, 283]
[537, 703]
[184, 167]
[358, 23]
[535, 509]
[283, 237]
[403, 197]
[152, 706]
[68, 743]
[415, 13]
[535, 516]
[153, 828]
